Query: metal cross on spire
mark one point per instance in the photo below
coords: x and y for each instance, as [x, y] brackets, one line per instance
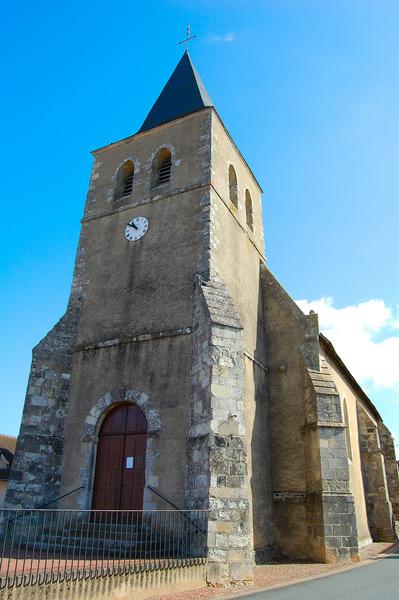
[188, 38]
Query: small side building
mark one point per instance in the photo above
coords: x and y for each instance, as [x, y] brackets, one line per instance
[7, 451]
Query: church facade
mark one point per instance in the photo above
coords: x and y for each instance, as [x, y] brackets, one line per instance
[182, 367]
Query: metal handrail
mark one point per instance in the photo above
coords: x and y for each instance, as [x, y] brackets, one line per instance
[60, 497]
[158, 493]
[47, 503]
[180, 510]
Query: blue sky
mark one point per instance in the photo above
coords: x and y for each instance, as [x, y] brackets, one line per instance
[309, 90]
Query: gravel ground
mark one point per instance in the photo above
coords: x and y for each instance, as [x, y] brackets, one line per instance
[277, 572]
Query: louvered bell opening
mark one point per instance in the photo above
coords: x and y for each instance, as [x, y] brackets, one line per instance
[128, 185]
[164, 170]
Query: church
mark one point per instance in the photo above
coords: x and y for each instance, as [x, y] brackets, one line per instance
[183, 374]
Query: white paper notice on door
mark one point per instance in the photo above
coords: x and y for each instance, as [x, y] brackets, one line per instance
[129, 462]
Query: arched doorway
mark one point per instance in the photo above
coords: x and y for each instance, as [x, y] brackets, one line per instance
[120, 467]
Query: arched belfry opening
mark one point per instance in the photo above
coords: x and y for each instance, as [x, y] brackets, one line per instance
[124, 180]
[120, 465]
[162, 167]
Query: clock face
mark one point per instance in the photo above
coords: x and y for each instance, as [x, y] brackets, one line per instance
[136, 228]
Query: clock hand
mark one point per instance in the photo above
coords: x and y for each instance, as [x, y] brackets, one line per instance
[132, 225]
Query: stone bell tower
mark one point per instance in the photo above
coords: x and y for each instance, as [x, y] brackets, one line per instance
[165, 315]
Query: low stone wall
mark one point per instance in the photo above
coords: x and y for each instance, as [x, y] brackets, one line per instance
[116, 587]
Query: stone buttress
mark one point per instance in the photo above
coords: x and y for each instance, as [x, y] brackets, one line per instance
[331, 509]
[377, 489]
[217, 471]
[391, 469]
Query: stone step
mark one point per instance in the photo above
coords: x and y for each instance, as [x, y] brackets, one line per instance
[100, 532]
[103, 530]
[96, 541]
[90, 551]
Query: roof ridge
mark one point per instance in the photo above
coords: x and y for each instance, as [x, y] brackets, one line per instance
[201, 86]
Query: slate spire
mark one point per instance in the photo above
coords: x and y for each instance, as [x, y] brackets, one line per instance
[184, 93]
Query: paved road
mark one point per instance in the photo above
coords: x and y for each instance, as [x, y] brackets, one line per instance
[376, 581]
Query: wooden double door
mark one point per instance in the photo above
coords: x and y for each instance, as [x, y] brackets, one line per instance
[120, 466]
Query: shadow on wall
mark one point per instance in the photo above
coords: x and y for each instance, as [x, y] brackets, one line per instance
[261, 485]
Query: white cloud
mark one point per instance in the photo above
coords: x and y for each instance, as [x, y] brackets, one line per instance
[227, 37]
[365, 336]
[395, 324]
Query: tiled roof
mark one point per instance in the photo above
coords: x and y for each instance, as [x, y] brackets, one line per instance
[8, 441]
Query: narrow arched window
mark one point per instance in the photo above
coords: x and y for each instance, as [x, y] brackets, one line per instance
[162, 167]
[124, 180]
[233, 188]
[347, 430]
[249, 211]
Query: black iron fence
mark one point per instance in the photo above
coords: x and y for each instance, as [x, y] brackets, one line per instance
[44, 546]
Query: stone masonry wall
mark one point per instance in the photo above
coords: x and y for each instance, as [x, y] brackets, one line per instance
[217, 471]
